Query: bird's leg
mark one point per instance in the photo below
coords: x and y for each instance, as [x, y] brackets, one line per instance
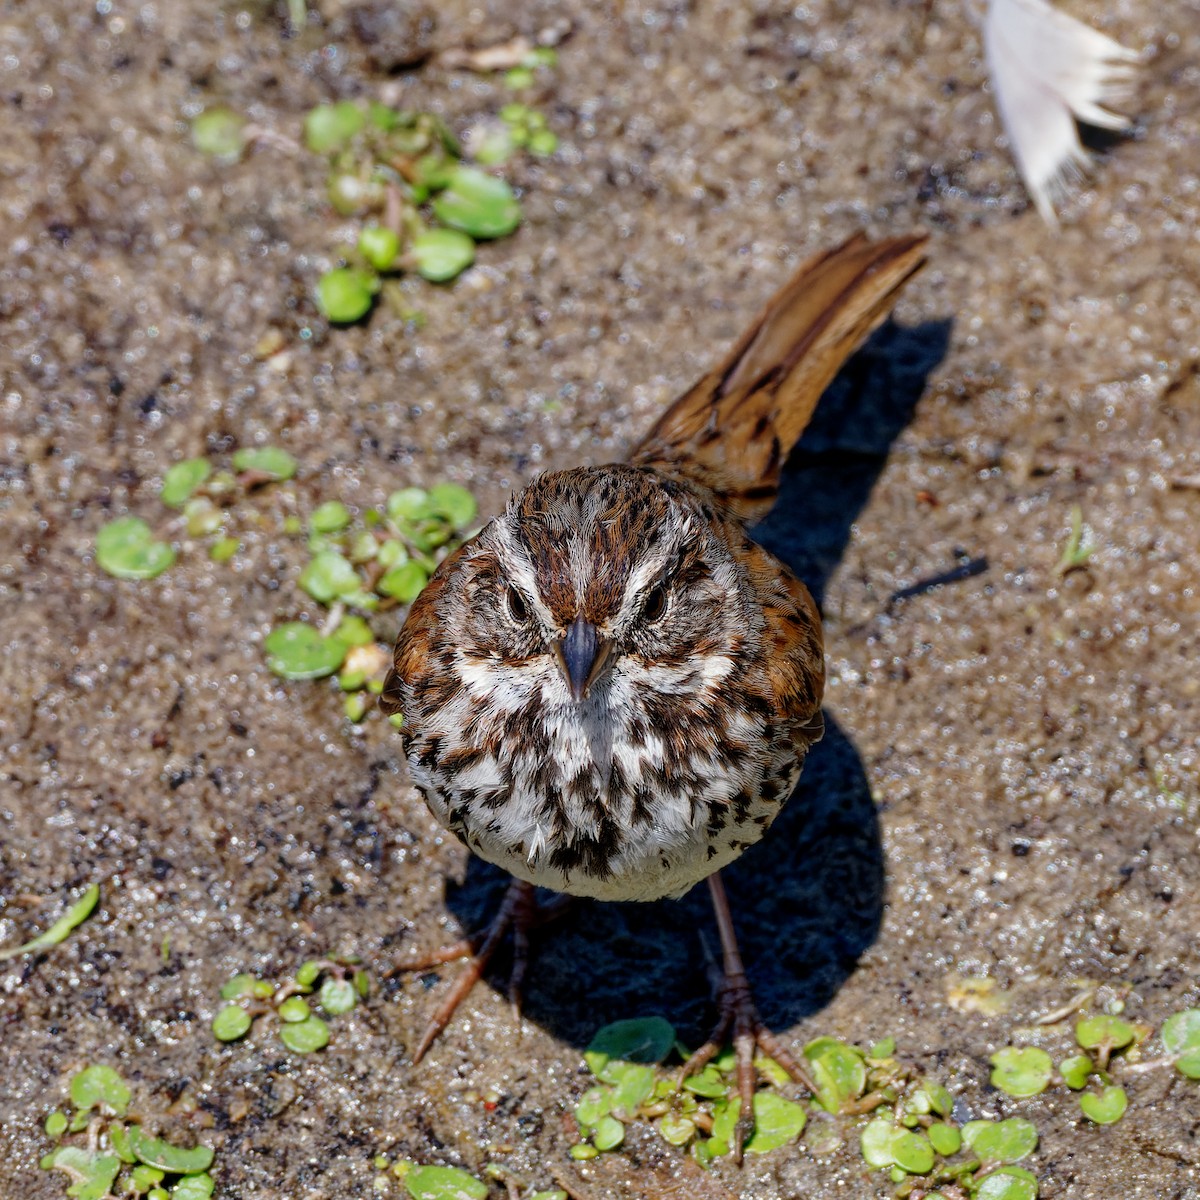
[737, 1012]
[519, 911]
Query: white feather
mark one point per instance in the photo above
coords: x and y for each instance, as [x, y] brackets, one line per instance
[1048, 70]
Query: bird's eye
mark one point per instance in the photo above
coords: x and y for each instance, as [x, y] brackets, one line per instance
[517, 609]
[655, 604]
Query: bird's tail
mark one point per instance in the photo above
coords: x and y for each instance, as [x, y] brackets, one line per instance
[732, 431]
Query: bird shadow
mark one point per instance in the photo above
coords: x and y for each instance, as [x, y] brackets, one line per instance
[807, 900]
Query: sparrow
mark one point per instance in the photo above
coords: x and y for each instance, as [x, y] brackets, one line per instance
[610, 690]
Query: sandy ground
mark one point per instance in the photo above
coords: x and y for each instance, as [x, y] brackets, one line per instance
[1011, 785]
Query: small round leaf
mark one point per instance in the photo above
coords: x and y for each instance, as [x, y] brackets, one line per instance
[1106, 1107]
[1008, 1183]
[346, 294]
[329, 126]
[1075, 1071]
[453, 502]
[404, 582]
[443, 1183]
[608, 1134]
[442, 254]
[330, 517]
[945, 1139]
[219, 132]
[379, 246]
[298, 651]
[99, 1086]
[231, 1023]
[777, 1121]
[126, 549]
[271, 461]
[182, 479]
[305, 1036]
[1021, 1071]
[1103, 1031]
[1001, 1141]
[337, 996]
[478, 204]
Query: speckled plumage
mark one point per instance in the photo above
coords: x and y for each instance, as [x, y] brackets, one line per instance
[707, 654]
[683, 750]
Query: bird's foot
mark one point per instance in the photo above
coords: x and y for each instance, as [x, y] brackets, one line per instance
[520, 912]
[739, 1015]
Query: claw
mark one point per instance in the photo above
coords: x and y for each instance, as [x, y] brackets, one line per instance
[737, 1011]
[520, 912]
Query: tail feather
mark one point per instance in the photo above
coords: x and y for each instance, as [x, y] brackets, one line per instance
[732, 431]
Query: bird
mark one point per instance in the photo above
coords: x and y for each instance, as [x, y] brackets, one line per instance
[610, 690]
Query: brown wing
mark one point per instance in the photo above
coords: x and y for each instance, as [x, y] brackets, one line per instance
[734, 429]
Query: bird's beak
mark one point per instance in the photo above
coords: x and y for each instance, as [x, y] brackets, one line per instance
[581, 655]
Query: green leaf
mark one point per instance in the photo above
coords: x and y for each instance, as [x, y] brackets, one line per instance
[224, 549]
[337, 996]
[354, 631]
[99, 1086]
[912, 1152]
[595, 1103]
[1008, 1183]
[379, 246]
[1021, 1071]
[710, 1082]
[404, 582]
[453, 502]
[442, 254]
[182, 479]
[675, 1129]
[329, 576]
[230, 1023]
[329, 126]
[408, 504]
[1075, 1071]
[330, 517]
[638, 1040]
[777, 1121]
[177, 1160]
[478, 204]
[305, 1036]
[56, 1125]
[346, 294]
[294, 1009]
[219, 132]
[240, 985]
[265, 460]
[298, 651]
[1181, 1039]
[633, 1088]
[885, 1144]
[444, 1183]
[310, 971]
[608, 1134]
[126, 549]
[1001, 1141]
[876, 1142]
[118, 1139]
[144, 1178]
[1106, 1107]
[58, 932]
[884, 1048]
[94, 1174]
[945, 1139]
[1112, 1032]
[193, 1187]
[939, 1097]
[838, 1071]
